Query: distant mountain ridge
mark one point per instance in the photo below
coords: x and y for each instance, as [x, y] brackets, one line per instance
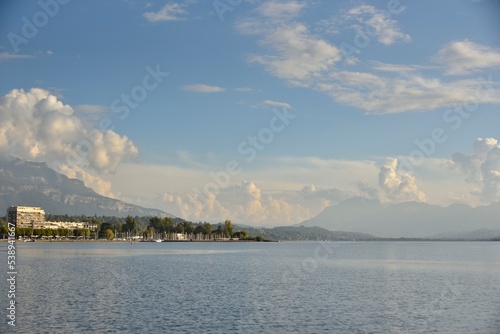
[35, 184]
[481, 234]
[407, 219]
[302, 233]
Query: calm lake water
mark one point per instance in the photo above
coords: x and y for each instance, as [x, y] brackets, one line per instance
[286, 287]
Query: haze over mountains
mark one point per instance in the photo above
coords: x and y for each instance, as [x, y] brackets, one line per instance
[407, 219]
[35, 184]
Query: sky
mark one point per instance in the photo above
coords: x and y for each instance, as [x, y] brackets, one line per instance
[263, 112]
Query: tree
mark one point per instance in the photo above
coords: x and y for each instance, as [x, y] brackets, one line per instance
[108, 233]
[161, 225]
[242, 235]
[207, 229]
[105, 226]
[179, 228]
[130, 225]
[198, 229]
[80, 232]
[228, 228]
[4, 230]
[188, 227]
[154, 222]
[219, 231]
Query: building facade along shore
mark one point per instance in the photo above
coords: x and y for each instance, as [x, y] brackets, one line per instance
[34, 217]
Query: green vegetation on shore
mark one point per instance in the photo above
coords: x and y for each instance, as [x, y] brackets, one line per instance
[111, 228]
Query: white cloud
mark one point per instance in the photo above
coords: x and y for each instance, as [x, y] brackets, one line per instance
[296, 53]
[398, 68]
[243, 203]
[275, 196]
[170, 12]
[464, 57]
[482, 168]
[9, 56]
[378, 23]
[90, 114]
[200, 88]
[277, 104]
[99, 185]
[36, 126]
[280, 9]
[307, 60]
[398, 186]
[331, 195]
[283, 190]
[383, 94]
[367, 191]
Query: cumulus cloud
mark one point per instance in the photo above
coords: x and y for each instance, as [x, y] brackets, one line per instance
[243, 203]
[35, 125]
[398, 186]
[332, 195]
[201, 88]
[95, 182]
[482, 168]
[464, 57]
[170, 12]
[378, 22]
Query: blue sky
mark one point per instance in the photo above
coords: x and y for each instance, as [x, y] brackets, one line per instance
[337, 97]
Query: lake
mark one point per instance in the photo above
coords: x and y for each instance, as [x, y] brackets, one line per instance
[238, 287]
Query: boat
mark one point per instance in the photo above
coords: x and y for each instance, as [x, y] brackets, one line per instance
[153, 240]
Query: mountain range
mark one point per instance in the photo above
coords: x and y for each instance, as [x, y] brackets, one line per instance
[407, 219]
[35, 184]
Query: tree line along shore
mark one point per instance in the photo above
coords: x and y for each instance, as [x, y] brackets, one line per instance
[133, 229]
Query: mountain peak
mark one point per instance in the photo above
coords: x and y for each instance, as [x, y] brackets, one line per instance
[405, 219]
[35, 184]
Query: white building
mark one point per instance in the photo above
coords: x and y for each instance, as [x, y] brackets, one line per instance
[34, 217]
[69, 225]
[26, 216]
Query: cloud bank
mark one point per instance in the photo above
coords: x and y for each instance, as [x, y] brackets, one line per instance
[243, 203]
[35, 125]
[482, 168]
[398, 186]
[306, 59]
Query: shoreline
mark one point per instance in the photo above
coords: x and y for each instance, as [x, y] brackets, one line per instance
[235, 241]
[133, 242]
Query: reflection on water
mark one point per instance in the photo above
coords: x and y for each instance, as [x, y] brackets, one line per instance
[258, 287]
